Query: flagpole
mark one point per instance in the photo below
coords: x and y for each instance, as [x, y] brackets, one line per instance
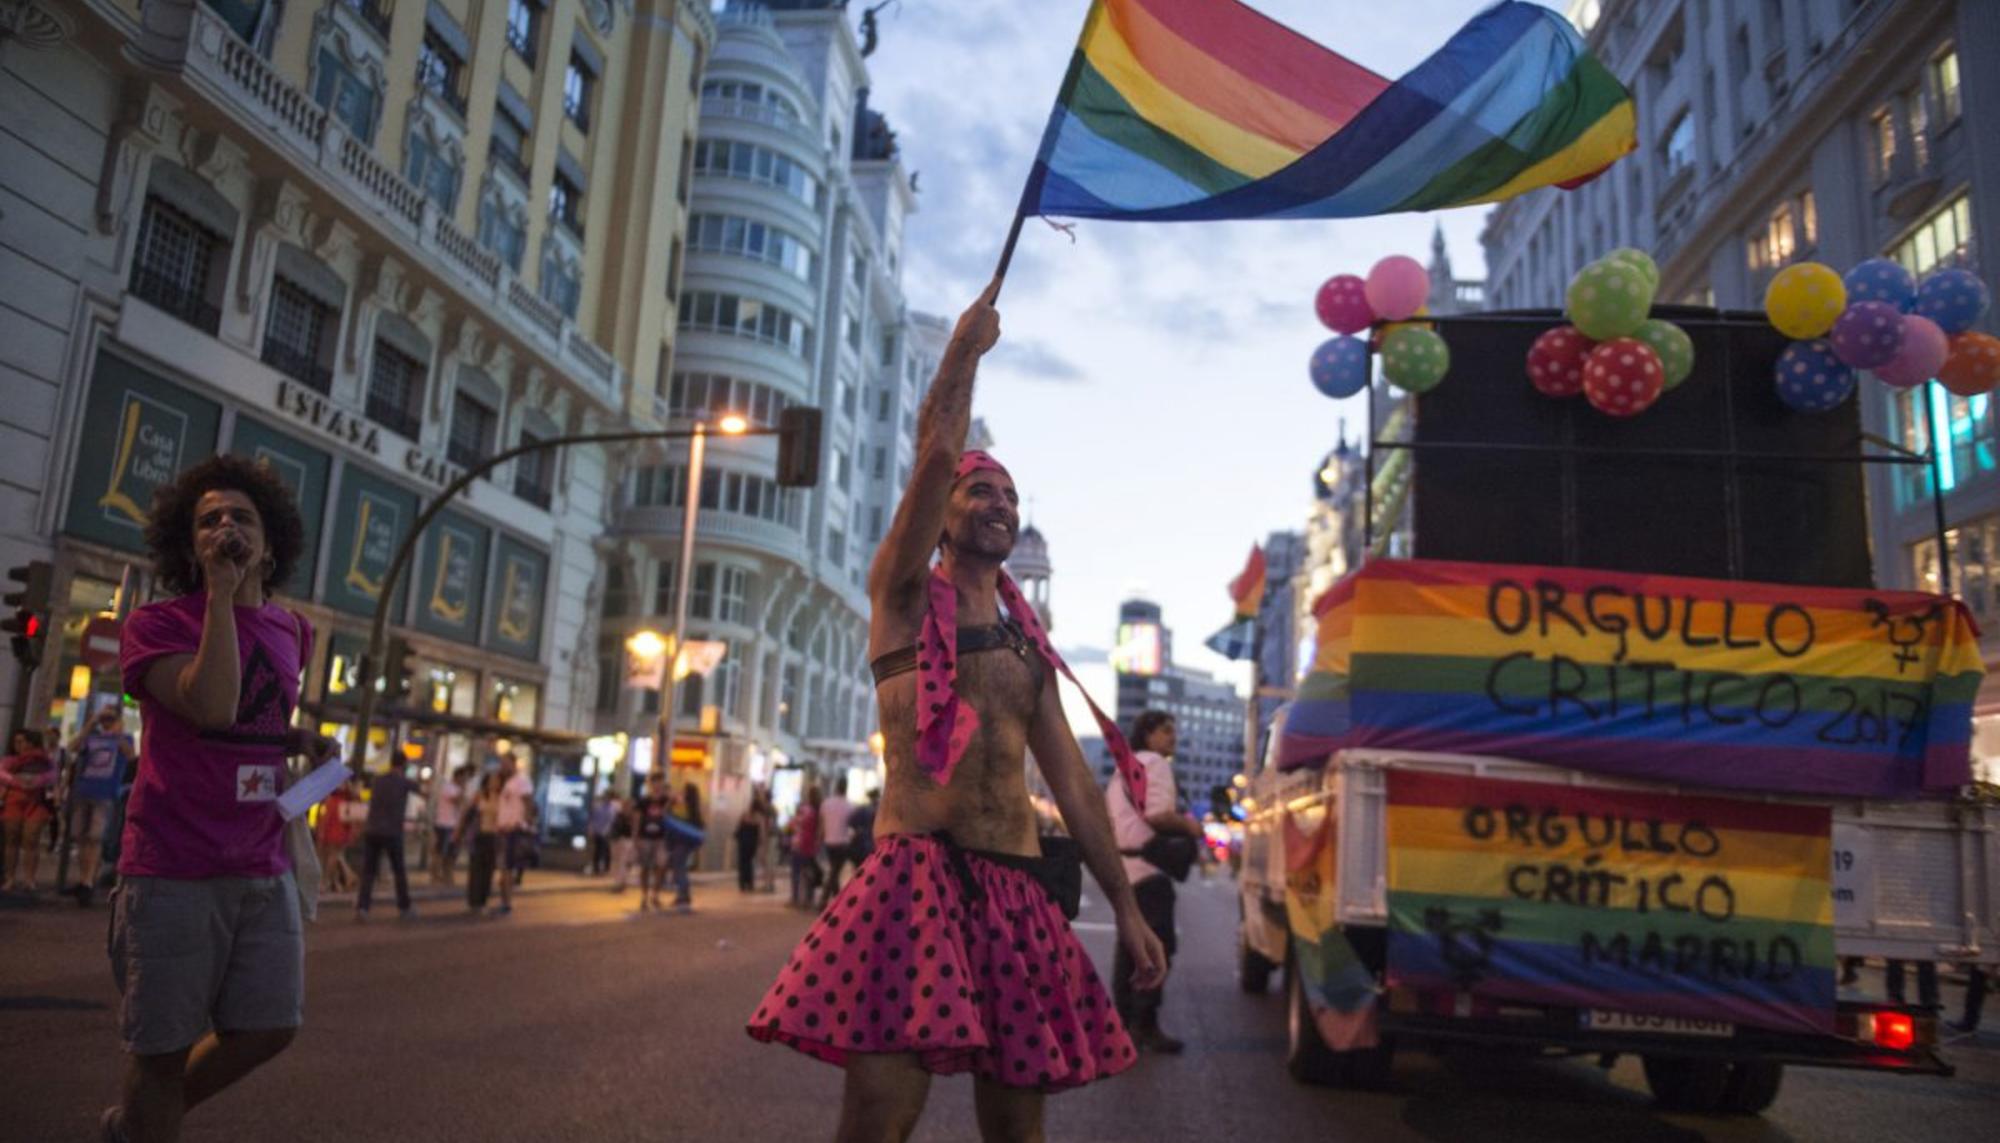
[1007, 253]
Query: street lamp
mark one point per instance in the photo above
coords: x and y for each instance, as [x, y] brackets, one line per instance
[729, 424]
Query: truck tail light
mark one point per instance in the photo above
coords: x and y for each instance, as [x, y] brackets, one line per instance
[1896, 1031]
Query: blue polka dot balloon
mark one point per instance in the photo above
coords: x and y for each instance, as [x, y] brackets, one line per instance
[1953, 299]
[1811, 379]
[1340, 366]
[1882, 280]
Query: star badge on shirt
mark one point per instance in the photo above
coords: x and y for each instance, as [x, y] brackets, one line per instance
[256, 783]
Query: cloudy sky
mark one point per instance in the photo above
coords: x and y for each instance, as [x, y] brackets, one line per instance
[1150, 389]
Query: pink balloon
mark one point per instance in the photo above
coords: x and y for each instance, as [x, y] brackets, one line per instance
[1342, 304]
[1925, 346]
[1398, 287]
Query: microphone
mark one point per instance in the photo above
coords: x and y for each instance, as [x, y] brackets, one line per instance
[236, 549]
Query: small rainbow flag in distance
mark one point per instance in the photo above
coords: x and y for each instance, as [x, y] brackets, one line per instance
[1201, 110]
[1238, 640]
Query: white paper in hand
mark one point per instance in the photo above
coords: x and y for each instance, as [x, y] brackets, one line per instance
[312, 789]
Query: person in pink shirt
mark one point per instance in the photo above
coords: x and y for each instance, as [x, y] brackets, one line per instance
[27, 778]
[207, 943]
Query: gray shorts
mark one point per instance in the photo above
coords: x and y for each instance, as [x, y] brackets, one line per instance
[652, 852]
[188, 956]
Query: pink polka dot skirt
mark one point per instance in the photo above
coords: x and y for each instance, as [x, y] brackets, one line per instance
[967, 963]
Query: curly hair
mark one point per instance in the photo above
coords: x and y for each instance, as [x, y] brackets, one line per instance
[1145, 724]
[170, 530]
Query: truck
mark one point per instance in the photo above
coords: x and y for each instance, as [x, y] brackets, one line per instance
[1608, 837]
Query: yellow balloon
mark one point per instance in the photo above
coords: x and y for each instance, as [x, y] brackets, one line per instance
[1803, 301]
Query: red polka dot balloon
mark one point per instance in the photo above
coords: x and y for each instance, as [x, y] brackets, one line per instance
[1555, 361]
[1623, 377]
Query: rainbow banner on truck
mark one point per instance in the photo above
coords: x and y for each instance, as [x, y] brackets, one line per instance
[1800, 690]
[1707, 909]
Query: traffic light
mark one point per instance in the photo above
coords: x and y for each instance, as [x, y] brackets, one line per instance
[798, 446]
[395, 674]
[28, 623]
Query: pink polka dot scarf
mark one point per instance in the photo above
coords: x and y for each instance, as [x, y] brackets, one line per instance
[945, 721]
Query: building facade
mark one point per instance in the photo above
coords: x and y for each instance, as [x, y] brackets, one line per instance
[1781, 131]
[791, 294]
[373, 242]
[1207, 712]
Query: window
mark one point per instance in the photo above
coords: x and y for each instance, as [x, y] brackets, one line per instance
[733, 603]
[472, 424]
[346, 96]
[395, 389]
[299, 333]
[503, 231]
[734, 160]
[1913, 116]
[664, 586]
[1942, 239]
[1679, 148]
[578, 84]
[748, 238]
[441, 69]
[179, 266]
[843, 469]
[854, 332]
[510, 142]
[617, 593]
[566, 203]
[875, 524]
[881, 461]
[685, 178]
[882, 399]
[1882, 135]
[1809, 219]
[431, 171]
[524, 24]
[531, 481]
[1975, 571]
[674, 269]
[1944, 82]
[745, 317]
[836, 547]
[701, 594]
[1793, 225]
[562, 285]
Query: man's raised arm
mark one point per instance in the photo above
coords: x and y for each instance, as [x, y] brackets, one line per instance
[905, 554]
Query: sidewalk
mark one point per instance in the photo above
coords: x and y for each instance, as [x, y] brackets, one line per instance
[537, 882]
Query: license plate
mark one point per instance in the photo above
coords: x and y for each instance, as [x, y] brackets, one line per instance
[1599, 1020]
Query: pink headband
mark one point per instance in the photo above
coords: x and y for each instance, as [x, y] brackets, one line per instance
[945, 722]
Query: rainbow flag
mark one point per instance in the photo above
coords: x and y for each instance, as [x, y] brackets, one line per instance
[1194, 110]
[1614, 900]
[1800, 690]
[1340, 990]
[1247, 589]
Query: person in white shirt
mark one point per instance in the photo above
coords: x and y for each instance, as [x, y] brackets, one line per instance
[512, 822]
[837, 832]
[444, 824]
[1154, 736]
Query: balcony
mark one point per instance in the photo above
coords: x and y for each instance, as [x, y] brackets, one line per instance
[223, 69]
[167, 294]
[717, 527]
[301, 367]
[393, 417]
[748, 111]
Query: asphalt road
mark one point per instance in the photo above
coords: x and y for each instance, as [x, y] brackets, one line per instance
[577, 1019]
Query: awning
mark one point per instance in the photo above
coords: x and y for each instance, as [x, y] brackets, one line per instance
[423, 718]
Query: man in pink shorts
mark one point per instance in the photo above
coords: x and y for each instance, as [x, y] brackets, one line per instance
[948, 951]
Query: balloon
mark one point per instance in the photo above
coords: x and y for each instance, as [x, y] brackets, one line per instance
[1555, 361]
[1803, 301]
[1609, 299]
[1925, 348]
[1340, 366]
[1811, 379]
[1623, 377]
[1952, 298]
[1342, 304]
[1868, 334]
[1397, 287]
[1415, 359]
[1639, 260]
[1974, 365]
[1674, 346]
[1881, 280]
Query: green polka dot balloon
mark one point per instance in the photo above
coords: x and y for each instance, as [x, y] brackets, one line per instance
[1639, 260]
[1415, 359]
[1608, 299]
[1675, 347]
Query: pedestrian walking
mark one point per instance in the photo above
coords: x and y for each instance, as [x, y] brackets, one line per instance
[805, 849]
[649, 831]
[334, 833]
[28, 780]
[448, 811]
[861, 828]
[516, 826]
[835, 833]
[686, 830]
[207, 941]
[1134, 827]
[621, 845]
[102, 753]
[382, 837]
[976, 903]
[750, 831]
[485, 824]
[599, 828]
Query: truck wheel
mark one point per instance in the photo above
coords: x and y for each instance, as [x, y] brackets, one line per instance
[1253, 970]
[1753, 1086]
[1683, 1084]
[1306, 1055]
